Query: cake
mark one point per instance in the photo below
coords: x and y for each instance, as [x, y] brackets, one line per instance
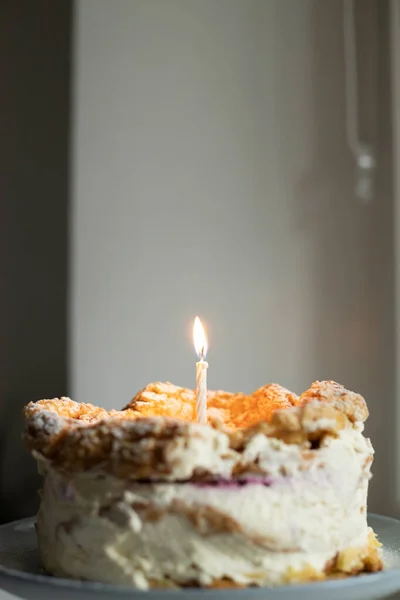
[273, 490]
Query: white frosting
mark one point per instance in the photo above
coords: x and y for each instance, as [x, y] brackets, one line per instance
[205, 448]
[105, 529]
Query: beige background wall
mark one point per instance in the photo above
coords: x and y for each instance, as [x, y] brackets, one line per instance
[212, 177]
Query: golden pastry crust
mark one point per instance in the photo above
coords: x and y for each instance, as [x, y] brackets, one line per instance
[143, 440]
[306, 423]
[164, 400]
[123, 447]
[75, 413]
[261, 405]
[349, 403]
[234, 410]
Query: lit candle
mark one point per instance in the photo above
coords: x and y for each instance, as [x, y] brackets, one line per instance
[200, 345]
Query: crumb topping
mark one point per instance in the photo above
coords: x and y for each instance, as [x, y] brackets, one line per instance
[147, 438]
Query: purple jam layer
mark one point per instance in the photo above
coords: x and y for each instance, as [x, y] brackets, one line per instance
[234, 483]
[67, 490]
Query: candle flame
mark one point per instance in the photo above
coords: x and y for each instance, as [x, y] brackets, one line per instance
[199, 338]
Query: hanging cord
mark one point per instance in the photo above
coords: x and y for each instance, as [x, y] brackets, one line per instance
[363, 153]
[350, 66]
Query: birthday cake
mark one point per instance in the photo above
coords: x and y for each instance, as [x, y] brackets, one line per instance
[273, 490]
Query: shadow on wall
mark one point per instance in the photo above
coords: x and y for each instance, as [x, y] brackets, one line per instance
[35, 41]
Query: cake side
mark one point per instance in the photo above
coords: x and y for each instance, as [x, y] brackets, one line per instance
[140, 498]
[257, 531]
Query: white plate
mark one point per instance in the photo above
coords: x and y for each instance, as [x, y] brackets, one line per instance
[21, 574]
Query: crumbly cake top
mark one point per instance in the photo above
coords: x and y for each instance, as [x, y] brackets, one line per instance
[152, 435]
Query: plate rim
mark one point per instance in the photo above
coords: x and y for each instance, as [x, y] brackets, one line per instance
[93, 586]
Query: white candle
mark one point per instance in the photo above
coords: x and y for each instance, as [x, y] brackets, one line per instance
[200, 344]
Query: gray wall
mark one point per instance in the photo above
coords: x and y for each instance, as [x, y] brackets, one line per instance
[212, 177]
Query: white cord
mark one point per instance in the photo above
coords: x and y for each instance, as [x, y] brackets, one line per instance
[350, 65]
[362, 152]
